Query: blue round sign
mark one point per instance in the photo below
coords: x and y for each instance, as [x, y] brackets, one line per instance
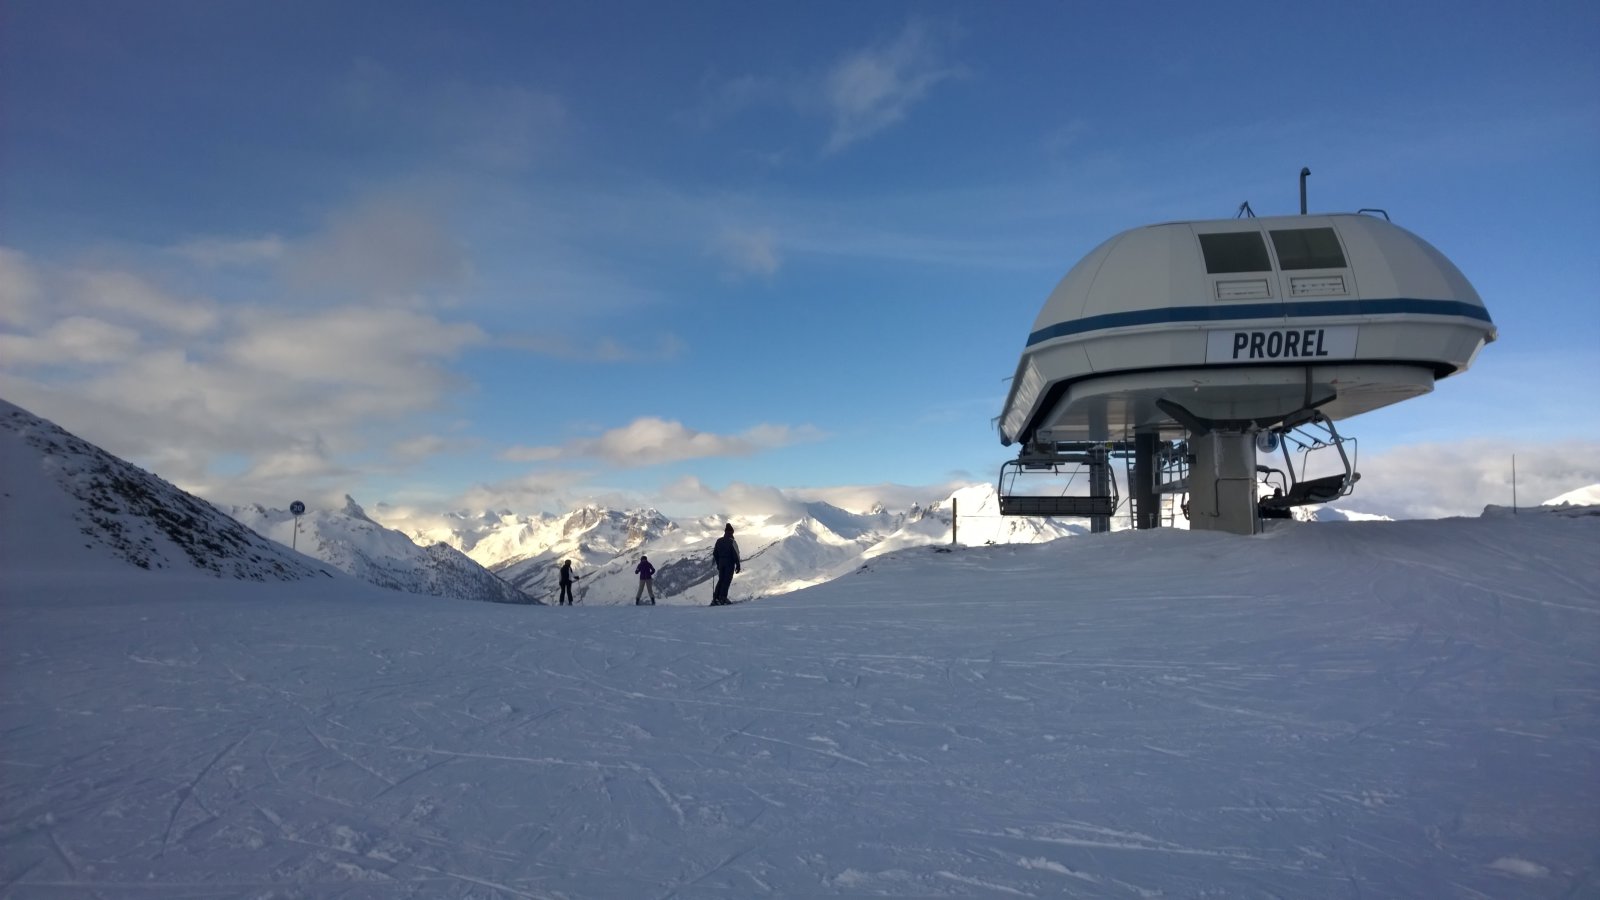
[297, 507]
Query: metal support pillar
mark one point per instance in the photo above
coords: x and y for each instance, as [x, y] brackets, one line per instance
[1100, 486]
[1222, 484]
[1146, 502]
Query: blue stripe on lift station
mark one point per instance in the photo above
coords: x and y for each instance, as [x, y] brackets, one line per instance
[1216, 313]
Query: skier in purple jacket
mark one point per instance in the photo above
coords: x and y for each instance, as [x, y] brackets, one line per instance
[646, 573]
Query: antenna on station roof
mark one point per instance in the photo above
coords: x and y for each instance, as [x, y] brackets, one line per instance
[1245, 212]
[1304, 174]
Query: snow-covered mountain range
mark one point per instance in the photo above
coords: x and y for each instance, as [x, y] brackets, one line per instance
[588, 535]
[350, 541]
[782, 552]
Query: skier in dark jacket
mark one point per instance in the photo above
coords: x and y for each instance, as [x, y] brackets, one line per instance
[567, 578]
[646, 572]
[726, 556]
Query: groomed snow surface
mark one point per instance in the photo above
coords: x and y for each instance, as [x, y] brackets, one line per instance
[1363, 709]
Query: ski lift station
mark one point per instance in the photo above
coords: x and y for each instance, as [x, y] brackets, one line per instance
[1188, 348]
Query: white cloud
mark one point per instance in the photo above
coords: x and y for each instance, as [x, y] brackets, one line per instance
[19, 288]
[73, 340]
[426, 446]
[89, 317]
[390, 247]
[532, 454]
[652, 441]
[725, 98]
[737, 499]
[605, 349]
[280, 398]
[549, 491]
[390, 348]
[133, 299]
[263, 416]
[246, 402]
[533, 491]
[862, 498]
[749, 251]
[498, 127]
[1429, 481]
[867, 91]
[873, 89]
[740, 499]
[215, 252]
[308, 461]
[501, 127]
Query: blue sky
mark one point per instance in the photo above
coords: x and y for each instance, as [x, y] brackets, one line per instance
[519, 255]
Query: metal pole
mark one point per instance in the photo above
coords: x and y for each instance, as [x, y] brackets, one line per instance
[954, 505]
[1513, 484]
[1304, 174]
[1146, 503]
[1100, 486]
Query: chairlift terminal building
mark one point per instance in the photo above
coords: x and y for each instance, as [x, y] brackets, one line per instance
[1210, 333]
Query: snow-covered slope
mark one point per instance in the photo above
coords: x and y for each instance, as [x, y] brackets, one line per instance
[70, 502]
[351, 542]
[1331, 710]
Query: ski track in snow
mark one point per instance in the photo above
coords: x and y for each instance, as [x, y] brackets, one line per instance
[1333, 710]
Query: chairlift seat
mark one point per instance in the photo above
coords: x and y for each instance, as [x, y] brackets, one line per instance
[1312, 490]
[1082, 506]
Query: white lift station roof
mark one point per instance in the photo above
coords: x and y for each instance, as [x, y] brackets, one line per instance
[1242, 321]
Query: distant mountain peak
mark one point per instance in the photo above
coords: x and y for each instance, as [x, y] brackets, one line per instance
[353, 510]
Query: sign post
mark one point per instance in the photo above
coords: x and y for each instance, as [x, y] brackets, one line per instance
[297, 509]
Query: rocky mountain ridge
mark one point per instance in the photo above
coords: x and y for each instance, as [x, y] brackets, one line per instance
[111, 506]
